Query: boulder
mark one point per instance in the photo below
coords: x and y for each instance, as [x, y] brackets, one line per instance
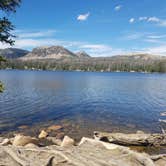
[54, 140]
[67, 142]
[5, 142]
[43, 134]
[21, 140]
[60, 135]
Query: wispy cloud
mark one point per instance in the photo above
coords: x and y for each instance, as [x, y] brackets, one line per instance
[83, 17]
[133, 36]
[144, 37]
[154, 19]
[118, 7]
[29, 40]
[143, 18]
[34, 34]
[159, 50]
[157, 36]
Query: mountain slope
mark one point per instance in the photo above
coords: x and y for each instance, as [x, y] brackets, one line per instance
[12, 53]
[82, 54]
[53, 52]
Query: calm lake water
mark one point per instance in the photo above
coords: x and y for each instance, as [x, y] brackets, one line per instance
[82, 101]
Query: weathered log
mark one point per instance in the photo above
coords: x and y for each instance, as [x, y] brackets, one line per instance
[137, 139]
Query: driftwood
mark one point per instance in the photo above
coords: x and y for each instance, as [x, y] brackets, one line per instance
[137, 139]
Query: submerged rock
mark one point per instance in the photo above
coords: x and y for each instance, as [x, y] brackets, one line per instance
[67, 142]
[60, 135]
[163, 114]
[54, 128]
[23, 127]
[21, 140]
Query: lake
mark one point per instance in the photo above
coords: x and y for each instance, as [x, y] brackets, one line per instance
[82, 102]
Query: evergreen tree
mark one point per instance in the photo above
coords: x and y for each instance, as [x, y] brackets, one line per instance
[6, 7]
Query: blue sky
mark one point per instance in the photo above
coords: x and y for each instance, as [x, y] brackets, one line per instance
[99, 27]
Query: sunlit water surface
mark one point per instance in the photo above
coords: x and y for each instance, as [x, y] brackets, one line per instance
[82, 102]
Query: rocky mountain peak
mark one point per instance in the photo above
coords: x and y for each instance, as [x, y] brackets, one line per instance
[82, 54]
[52, 52]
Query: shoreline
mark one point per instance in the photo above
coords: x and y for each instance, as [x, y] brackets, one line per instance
[42, 150]
[82, 71]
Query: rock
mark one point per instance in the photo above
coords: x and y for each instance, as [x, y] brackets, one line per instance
[140, 132]
[163, 114]
[54, 128]
[21, 140]
[31, 145]
[67, 142]
[11, 140]
[5, 142]
[43, 134]
[60, 135]
[141, 139]
[23, 127]
[1, 139]
[89, 153]
[162, 120]
[54, 140]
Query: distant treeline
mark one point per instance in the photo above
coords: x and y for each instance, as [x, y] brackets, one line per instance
[90, 64]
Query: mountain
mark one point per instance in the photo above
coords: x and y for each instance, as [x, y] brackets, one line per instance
[135, 57]
[82, 54]
[12, 53]
[53, 52]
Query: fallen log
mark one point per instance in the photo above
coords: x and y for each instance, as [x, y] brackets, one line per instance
[137, 139]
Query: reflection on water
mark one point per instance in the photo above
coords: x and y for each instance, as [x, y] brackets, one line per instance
[87, 101]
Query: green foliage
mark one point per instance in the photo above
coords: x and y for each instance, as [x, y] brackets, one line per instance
[1, 87]
[5, 25]
[88, 65]
[5, 28]
[2, 59]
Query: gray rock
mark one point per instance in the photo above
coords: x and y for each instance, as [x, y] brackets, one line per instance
[21, 140]
[89, 153]
[67, 142]
[43, 134]
[5, 142]
[54, 140]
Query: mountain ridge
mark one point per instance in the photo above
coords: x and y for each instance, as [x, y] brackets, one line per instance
[12, 53]
[60, 52]
[52, 52]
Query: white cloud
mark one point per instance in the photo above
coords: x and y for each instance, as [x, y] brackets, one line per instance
[154, 19]
[133, 36]
[102, 50]
[143, 18]
[117, 8]
[83, 17]
[152, 41]
[156, 36]
[35, 34]
[131, 20]
[31, 40]
[160, 50]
